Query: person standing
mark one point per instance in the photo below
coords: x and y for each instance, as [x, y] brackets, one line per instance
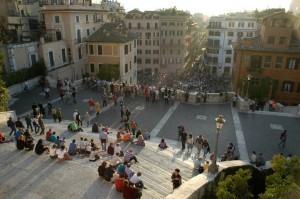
[54, 113]
[198, 143]
[28, 122]
[127, 113]
[61, 93]
[103, 139]
[68, 95]
[183, 139]
[176, 179]
[41, 124]
[58, 114]
[86, 118]
[74, 95]
[115, 98]
[104, 100]
[133, 126]
[97, 108]
[78, 119]
[180, 130]
[283, 138]
[49, 106]
[47, 92]
[11, 124]
[190, 143]
[91, 104]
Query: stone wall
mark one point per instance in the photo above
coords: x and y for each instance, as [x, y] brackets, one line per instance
[197, 187]
[5, 115]
[19, 88]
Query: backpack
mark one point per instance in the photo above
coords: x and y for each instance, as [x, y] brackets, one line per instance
[77, 117]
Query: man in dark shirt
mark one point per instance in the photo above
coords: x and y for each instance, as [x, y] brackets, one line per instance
[19, 123]
[183, 139]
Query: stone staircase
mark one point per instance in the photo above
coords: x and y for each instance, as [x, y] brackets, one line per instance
[155, 164]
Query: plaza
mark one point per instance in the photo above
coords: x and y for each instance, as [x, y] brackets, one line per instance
[27, 175]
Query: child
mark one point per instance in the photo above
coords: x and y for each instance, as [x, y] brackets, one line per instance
[190, 142]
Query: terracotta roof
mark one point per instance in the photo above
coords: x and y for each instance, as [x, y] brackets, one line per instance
[112, 32]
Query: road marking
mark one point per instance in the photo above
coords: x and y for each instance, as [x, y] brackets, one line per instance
[140, 108]
[85, 100]
[201, 117]
[239, 135]
[276, 127]
[163, 121]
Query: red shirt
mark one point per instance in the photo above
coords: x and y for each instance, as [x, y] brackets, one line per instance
[119, 184]
[129, 192]
[91, 102]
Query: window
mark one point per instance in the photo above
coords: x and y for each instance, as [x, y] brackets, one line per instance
[148, 25]
[87, 18]
[217, 33]
[172, 24]
[241, 24]
[228, 60]
[126, 68]
[129, 25]
[94, 18]
[268, 61]
[134, 44]
[51, 58]
[178, 52]
[240, 34]
[77, 18]
[230, 34]
[271, 40]
[216, 43]
[164, 24]
[287, 86]
[210, 33]
[228, 52]
[215, 60]
[155, 52]
[63, 55]
[156, 25]
[139, 60]
[147, 61]
[33, 59]
[178, 61]
[148, 35]
[139, 51]
[148, 52]
[179, 41]
[100, 50]
[171, 51]
[58, 35]
[282, 40]
[91, 49]
[155, 42]
[229, 41]
[56, 19]
[126, 49]
[139, 25]
[88, 32]
[134, 58]
[155, 61]
[292, 63]
[256, 61]
[231, 24]
[92, 67]
[278, 62]
[130, 65]
[251, 24]
[78, 36]
[79, 53]
[139, 42]
[147, 42]
[249, 34]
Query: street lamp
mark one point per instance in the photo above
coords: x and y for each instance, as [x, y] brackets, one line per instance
[248, 78]
[213, 168]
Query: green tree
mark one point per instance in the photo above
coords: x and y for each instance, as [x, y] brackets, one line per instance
[282, 183]
[235, 186]
[109, 72]
[3, 89]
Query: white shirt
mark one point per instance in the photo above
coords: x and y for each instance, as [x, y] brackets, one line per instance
[88, 148]
[52, 151]
[61, 154]
[134, 179]
[118, 149]
[75, 114]
[82, 144]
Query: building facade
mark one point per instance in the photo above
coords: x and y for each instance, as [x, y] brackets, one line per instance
[272, 61]
[223, 30]
[161, 40]
[113, 45]
[63, 45]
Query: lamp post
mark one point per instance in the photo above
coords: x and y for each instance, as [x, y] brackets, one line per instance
[248, 81]
[213, 167]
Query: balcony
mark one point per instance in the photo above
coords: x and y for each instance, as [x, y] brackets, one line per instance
[215, 27]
